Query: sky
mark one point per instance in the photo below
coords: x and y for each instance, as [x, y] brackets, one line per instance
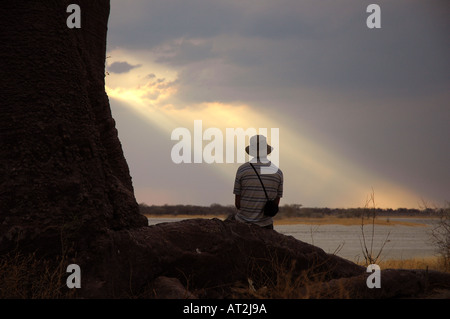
[353, 111]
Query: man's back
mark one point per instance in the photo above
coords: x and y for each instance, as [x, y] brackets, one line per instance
[248, 188]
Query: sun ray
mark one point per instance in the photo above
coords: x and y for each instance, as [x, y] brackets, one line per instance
[309, 168]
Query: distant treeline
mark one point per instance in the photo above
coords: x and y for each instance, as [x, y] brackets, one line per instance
[293, 210]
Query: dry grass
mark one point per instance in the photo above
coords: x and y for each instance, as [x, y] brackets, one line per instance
[30, 277]
[275, 279]
[283, 282]
[431, 263]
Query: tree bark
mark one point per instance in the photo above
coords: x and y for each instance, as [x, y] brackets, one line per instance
[63, 175]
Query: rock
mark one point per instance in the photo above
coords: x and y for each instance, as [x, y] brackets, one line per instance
[395, 283]
[169, 288]
[215, 259]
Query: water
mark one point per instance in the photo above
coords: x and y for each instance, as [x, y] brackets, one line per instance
[400, 242]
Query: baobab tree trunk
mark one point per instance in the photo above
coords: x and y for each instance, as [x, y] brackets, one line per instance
[63, 176]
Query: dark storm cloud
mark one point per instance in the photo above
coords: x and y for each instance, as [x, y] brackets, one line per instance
[322, 44]
[121, 67]
[187, 52]
[146, 24]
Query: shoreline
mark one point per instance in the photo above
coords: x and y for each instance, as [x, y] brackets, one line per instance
[326, 220]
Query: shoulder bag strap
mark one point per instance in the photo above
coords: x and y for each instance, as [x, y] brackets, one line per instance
[267, 197]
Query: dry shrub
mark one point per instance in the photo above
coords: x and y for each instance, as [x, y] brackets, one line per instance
[29, 277]
[441, 236]
[431, 263]
[283, 280]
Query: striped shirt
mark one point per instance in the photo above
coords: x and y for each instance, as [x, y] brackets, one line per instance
[253, 198]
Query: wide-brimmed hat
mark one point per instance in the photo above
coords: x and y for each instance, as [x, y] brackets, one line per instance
[257, 143]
